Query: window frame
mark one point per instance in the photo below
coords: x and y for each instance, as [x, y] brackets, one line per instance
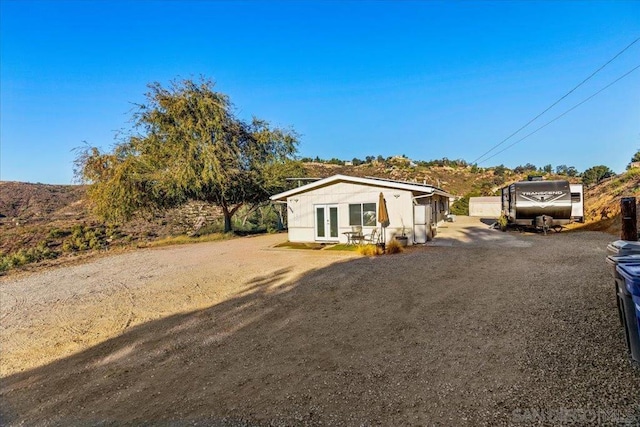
[361, 214]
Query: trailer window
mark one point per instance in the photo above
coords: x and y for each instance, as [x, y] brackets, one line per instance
[575, 197]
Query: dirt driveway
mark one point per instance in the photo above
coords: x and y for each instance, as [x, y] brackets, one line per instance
[480, 327]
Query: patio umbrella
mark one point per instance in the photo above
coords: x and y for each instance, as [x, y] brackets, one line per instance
[383, 216]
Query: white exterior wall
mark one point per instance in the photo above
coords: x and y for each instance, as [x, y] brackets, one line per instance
[485, 208]
[577, 208]
[301, 213]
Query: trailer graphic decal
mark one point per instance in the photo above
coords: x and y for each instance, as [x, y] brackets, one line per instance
[542, 203]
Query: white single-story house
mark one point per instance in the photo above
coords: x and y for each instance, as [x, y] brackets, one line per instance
[324, 210]
[485, 207]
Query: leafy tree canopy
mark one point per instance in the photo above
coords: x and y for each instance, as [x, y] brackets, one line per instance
[596, 174]
[187, 144]
[562, 169]
[526, 168]
[635, 158]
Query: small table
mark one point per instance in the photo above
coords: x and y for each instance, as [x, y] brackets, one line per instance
[353, 237]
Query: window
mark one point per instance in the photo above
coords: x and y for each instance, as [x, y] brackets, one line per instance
[575, 197]
[363, 214]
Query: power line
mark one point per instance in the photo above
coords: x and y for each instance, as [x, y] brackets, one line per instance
[555, 103]
[563, 114]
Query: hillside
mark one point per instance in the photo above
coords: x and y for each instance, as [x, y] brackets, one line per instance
[455, 180]
[602, 201]
[40, 202]
[54, 220]
[45, 221]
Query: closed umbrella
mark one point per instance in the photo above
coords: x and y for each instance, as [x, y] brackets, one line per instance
[383, 216]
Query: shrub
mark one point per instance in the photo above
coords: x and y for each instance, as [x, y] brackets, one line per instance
[56, 233]
[393, 247]
[503, 221]
[369, 250]
[4, 263]
[26, 256]
[84, 238]
[631, 174]
[460, 206]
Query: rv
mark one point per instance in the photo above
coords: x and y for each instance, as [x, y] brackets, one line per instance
[547, 204]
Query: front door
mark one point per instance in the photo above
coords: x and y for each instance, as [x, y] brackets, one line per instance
[326, 222]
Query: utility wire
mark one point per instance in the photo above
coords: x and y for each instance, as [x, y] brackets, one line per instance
[555, 103]
[563, 114]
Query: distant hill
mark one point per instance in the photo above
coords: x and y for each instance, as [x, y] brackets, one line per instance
[458, 181]
[50, 215]
[34, 202]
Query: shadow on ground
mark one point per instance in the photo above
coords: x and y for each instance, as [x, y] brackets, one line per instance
[474, 232]
[427, 337]
[488, 221]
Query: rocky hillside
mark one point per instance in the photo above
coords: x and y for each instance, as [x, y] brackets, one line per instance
[24, 202]
[602, 201]
[55, 219]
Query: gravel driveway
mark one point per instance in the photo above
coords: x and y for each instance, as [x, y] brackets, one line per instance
[478, 328]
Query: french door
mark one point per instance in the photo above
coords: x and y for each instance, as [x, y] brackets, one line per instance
[326, 222]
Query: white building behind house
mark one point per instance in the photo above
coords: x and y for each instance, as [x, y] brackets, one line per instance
[485, 207]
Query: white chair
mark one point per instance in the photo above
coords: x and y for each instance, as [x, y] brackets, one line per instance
[371, 238]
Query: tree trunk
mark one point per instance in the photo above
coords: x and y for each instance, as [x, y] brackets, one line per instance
[228, 214]
[227, 221]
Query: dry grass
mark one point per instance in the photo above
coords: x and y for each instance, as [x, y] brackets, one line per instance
[185, 240]
[342, 247]
[602, 202]
[299, 245]
[393, 247]
[369, 250]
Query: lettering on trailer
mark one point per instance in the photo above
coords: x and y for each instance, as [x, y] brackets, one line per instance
[541, 193]
[542, 199]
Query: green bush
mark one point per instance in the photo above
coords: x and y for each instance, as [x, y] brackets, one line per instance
[84, 238]
[56, 233]
[503, 222]
[211, 228]
[5, 264]
[631, 174]
[26, 256]
[460, 206]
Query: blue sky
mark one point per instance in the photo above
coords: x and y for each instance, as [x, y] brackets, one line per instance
[424, 79]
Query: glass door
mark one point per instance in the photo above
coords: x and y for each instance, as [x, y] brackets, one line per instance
[326, 222]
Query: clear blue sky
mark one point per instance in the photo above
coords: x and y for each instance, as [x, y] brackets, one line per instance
[424, 79]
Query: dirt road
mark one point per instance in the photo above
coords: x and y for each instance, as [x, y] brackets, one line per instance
[480, 327]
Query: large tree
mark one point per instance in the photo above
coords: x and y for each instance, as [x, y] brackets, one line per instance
[596, 174]
[187, 144]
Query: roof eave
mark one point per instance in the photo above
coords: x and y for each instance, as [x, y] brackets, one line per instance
[366, 181]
